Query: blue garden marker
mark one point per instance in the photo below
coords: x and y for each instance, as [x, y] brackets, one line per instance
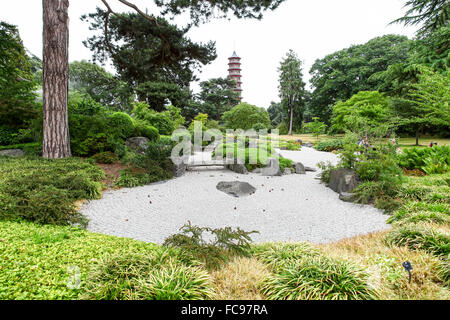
[408, 267]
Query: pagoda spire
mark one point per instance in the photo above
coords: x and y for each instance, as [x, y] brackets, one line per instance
[234, 70]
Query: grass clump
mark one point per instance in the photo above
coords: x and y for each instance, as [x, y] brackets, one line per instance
[44, 191]
[318, 278]
[300, 271]
[426, 237]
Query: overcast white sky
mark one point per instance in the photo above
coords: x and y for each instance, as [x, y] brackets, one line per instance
[312, 28]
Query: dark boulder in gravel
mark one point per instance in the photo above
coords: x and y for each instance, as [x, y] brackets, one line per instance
[15, 153]
[139, 144]
[179, 169]
[236, 188]
[343, 180]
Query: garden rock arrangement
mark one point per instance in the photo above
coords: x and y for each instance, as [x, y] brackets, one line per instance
[236, 188]
[15, 153]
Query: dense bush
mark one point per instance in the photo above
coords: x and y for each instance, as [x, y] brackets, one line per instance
[430, 160]
[44, 191]
[153, 166]
[367, 112]
[142, 129]
[329, 145]
[244, 116]
[120, 125]
[162, 121]
[283, 128]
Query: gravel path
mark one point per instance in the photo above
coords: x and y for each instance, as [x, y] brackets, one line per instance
[289, 208]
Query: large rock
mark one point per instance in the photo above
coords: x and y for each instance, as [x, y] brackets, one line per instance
[309, 169]
[299, 168]
[15, 153]
[308, 145]
[238, 168]
[139, 144]
[287, 171]
[343, 180]
[272, 169]
[179, 169]
[236, 188]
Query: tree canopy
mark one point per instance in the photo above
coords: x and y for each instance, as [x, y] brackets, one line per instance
[344, 73]
[431, 14]
[16, 79]
[245, 116]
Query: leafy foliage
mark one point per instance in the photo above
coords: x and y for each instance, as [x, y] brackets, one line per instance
[16, 80]
[342, 74]
[329, 145]
[44, 191]
[366, 113]
[431, 14]
[164, 122]
[420, 158]
[225, 242]
[166, 61]
[100, 85]
[244, 116]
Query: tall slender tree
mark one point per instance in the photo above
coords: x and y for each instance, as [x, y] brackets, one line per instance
[56, 142]
[292, 87]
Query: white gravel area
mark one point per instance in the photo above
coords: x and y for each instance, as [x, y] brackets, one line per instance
[289, 208]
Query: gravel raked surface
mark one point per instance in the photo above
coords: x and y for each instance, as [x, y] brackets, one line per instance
[288, 208]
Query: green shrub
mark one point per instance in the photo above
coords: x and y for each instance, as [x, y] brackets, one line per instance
[435, 160]
[160, 120]
[106, 157]
[420, 237]
[290, 145]
[260, 126]
[329, 145]
[156, 275]
[285, 163]
[144, 130]
[318, 278]
[244, 116]
[226, 242]
[120, 125]
[44, 191]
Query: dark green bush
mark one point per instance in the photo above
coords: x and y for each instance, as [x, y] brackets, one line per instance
[120, 125]
[44, 191]
[106, 157]
[330, 145]
[436, 159]
[144, 130]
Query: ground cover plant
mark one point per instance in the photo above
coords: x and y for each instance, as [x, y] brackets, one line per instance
[44, 191]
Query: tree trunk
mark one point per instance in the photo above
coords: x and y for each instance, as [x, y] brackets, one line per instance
[56, 140]
[418, 135]
[291, 124]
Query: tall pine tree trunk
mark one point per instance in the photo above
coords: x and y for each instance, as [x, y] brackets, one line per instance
[56, 140]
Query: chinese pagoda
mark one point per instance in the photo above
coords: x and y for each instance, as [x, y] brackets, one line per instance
[235, 72]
